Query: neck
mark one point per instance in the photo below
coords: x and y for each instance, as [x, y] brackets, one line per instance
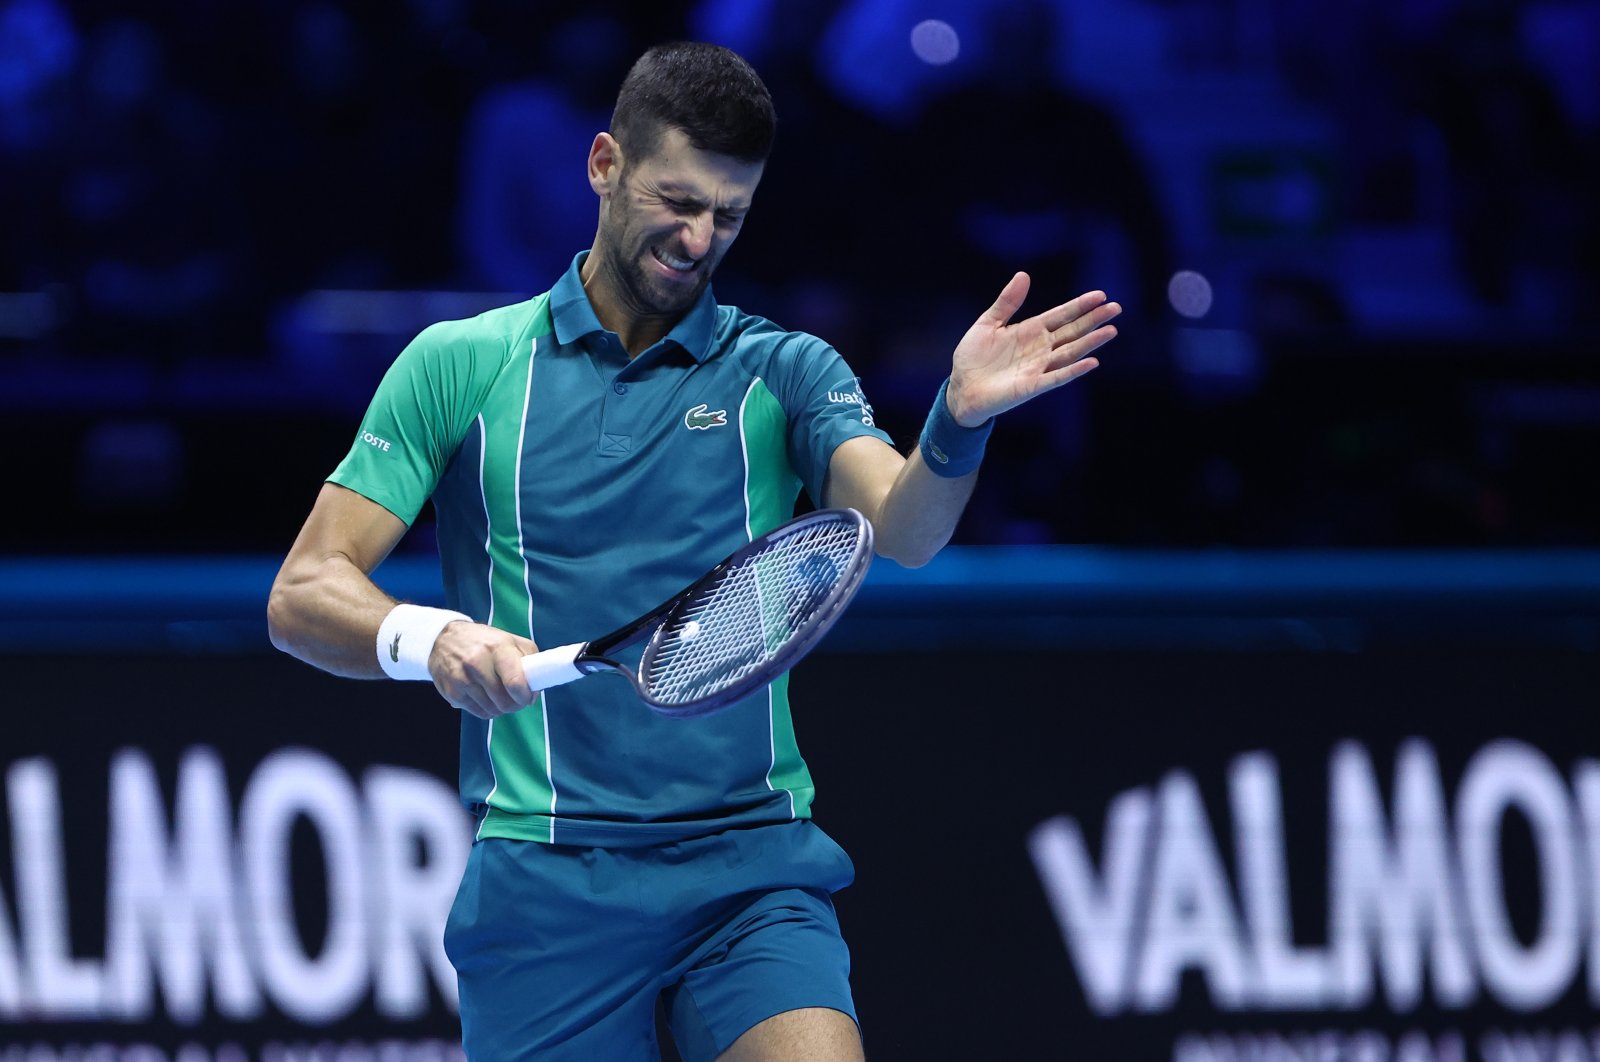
[636, 327]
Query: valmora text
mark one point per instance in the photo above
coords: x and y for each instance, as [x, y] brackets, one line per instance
[1416, 898]
[198, 899]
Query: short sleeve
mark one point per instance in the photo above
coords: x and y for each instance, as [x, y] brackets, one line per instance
[415, 423]
[825, 404]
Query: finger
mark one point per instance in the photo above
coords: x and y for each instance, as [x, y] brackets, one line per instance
[1049, 381]
[1009, 302]
[486, 677]
[1082, 326]
[508, 671]
[467, 701]
[1058, 316]
[493, 705]
[1080, 349]
[467, 682]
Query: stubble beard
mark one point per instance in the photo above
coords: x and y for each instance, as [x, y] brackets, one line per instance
[645, 295]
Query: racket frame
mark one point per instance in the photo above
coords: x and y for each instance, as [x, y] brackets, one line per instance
[595, 656]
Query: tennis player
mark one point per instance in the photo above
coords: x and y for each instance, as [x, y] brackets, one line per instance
[589, 453]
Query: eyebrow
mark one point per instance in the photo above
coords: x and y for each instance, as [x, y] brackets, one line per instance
[690, 197]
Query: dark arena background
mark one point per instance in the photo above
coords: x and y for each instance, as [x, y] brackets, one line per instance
[1251, 716]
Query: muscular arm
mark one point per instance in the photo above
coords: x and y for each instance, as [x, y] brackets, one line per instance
[913, 511]
[996, 366]
[326, 610]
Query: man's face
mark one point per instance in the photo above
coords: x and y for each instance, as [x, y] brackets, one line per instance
[668, 221]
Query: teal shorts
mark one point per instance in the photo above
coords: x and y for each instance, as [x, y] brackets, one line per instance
[564, 952]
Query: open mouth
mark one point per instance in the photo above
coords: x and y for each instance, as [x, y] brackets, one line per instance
[674, 263]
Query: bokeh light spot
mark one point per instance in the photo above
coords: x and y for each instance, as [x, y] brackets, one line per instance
[935, 42]
[1189, 293]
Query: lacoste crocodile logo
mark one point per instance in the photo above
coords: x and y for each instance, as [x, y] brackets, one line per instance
[394, 650]
[697, 419]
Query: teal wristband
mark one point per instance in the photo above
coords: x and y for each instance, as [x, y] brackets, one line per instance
[949, 449]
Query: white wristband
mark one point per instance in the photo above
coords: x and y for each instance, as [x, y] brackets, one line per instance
[406, 637]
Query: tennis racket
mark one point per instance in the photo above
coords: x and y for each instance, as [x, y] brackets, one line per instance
[736, 628]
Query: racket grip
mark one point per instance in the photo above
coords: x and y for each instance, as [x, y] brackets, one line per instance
[553, 667]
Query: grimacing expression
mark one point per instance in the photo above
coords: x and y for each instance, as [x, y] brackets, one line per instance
[672, 217]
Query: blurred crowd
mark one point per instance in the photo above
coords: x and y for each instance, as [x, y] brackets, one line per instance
[1392, 204]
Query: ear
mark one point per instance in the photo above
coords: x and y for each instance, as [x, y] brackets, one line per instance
[605, 164]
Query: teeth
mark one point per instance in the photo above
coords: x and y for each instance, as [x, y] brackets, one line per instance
[681, 264]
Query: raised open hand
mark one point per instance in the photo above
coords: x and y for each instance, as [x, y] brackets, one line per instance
[998, 365]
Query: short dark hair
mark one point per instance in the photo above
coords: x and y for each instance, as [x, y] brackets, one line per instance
[706, 90]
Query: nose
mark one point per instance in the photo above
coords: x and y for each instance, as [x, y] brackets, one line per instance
[697, 235]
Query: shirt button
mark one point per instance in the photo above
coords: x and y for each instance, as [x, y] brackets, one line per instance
[620, 388]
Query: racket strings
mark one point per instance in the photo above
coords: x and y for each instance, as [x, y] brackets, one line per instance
[745, 619]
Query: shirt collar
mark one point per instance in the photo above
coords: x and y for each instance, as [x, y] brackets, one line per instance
[574, 318]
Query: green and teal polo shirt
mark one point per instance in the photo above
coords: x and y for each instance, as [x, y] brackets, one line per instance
[575, 489]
